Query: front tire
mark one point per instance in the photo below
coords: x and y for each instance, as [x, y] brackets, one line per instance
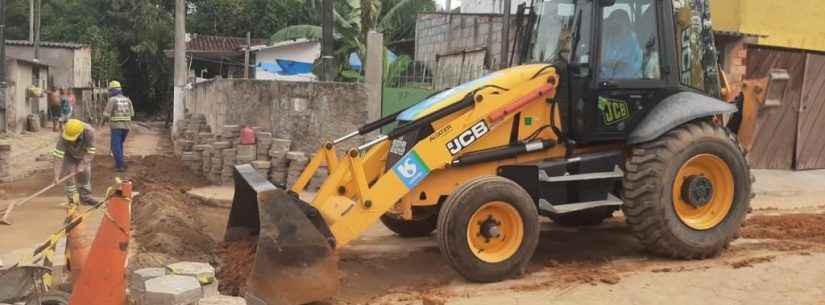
[687, 193]
[488, 229]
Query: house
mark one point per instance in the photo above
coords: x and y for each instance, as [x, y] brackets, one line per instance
[71, 63]
[216, 56]
[756, 36]
[22, 77]
[287, 59]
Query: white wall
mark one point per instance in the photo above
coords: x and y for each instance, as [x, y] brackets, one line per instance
[301, 52]
[488, 6]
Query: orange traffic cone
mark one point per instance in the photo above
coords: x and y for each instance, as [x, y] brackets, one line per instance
[103, 280]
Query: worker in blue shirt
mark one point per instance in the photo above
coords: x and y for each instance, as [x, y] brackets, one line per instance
[621, 53]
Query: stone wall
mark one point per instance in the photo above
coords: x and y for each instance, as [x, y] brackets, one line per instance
[308, 113]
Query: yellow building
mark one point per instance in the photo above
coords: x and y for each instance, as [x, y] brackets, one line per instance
[798, 24]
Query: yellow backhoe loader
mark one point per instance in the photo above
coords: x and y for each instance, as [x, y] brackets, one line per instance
[619, 108]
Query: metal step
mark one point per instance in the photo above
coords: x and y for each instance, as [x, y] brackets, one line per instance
[616, 173]
[579, 206]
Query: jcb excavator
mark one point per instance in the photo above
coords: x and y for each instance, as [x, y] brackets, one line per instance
[621, 109]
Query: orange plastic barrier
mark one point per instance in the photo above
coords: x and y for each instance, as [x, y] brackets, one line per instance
[103, 279]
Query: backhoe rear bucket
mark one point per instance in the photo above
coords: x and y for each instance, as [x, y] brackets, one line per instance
[295, 262]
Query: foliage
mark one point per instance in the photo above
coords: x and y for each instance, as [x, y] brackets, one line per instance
[354, 18]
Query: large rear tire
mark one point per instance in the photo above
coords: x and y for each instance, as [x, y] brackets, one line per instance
[488, 229]
[687, 193]
[410, 228]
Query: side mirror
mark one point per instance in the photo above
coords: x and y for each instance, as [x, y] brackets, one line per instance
[607, 2]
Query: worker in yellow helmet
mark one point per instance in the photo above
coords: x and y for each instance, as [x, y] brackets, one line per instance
[119, 112]
[73, 155]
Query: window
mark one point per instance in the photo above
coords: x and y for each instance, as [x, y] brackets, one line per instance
[560, 25]
[695, 48]
[36, 76]
[630, 41]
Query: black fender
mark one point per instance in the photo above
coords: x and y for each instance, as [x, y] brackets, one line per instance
[676, 110]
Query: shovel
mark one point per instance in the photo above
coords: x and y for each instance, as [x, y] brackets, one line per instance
[5, 220]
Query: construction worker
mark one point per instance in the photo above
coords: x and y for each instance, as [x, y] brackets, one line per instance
[119, 112]
[73, 155]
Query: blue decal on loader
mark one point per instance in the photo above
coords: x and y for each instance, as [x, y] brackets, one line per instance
[411, 170]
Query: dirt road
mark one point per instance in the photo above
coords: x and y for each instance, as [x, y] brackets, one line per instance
[778, 260]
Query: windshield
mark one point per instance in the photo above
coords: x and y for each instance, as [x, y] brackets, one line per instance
[558, 28]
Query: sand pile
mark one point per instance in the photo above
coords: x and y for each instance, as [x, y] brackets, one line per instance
[798, 227]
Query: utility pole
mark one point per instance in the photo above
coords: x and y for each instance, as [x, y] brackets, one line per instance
[3, 64]
[505, 36]
[327, 42]
[37, 23]
[180, 63]
[246, 56]
[31, 21]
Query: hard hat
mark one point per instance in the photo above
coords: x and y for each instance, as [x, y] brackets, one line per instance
[114, 84]
[73, 129]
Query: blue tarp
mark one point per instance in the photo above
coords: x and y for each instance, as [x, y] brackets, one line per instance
[357, 65]
[294, 67]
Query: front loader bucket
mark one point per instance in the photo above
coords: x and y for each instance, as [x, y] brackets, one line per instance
[294, 263]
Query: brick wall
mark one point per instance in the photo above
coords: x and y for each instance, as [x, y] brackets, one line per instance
[734, 54]
[438, 34]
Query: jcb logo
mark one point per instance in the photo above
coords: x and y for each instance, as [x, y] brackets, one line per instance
[467, 138]
[613, 110]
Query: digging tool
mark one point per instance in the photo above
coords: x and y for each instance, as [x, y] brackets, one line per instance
[9, 208]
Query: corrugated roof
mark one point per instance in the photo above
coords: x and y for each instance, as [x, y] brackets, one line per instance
[210, 43]
[48, 44]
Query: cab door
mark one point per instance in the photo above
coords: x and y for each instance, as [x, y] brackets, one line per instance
[629, 74]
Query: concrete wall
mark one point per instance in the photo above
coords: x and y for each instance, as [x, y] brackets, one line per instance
[489, 6]
[439, 34]
[308, 113]
[71, 68]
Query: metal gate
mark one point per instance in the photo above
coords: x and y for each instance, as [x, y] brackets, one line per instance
[810, 145]
[775, 135]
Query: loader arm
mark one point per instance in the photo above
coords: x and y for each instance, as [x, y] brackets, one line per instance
[359, 190]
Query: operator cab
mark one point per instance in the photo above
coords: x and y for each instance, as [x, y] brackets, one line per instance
[620, 58]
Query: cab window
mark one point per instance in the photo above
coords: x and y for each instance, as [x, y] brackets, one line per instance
[629, 41]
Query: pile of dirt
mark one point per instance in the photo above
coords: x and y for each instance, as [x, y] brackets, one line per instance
[235, 262]
[585, 271]
[797, 227]
[167, 226]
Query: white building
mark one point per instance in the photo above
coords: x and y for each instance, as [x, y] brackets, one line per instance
[269, 60]
[489, 6]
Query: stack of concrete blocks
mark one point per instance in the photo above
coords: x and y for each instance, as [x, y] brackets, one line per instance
[297, 162]
[216, 164]
[279, 164]
[264, 142]
[229, 156]
[183, 283]
[246, 153]
[5, 160]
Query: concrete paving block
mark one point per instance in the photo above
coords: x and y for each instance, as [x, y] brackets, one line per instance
[210, 290]
[172, 290]
[281, 144]
[261, 164]
[222, 300]
[204, 272]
